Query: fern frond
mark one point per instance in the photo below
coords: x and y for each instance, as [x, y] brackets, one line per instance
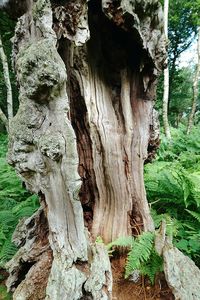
[140, 252]
[26, 208]
[194, 179]
[7, 251]
[7, 204]
[153, 266]
[125, 241]
[194, 214]
[7, 218]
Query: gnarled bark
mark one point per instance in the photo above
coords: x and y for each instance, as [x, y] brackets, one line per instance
[81, 134]
[181, 273]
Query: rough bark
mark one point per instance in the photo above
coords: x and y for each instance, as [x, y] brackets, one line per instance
[81, 134]
[181, 273]
[33, 260]
[7, 82]
[195, 87]
[4, 119]
[166, 78]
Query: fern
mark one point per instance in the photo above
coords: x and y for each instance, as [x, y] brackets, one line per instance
[173, 189]
[141, 255]
[126, 241]
[27, 207]
[7, 250]
[140, 252]
[15, 203]
[152, 266]
[194, 214]
[7, 217]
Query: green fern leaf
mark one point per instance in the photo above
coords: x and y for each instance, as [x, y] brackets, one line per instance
[125, 241]
[194, 214]
[7, 251]
[152, 266]
[140, 252]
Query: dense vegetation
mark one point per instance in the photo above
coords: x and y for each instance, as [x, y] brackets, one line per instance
[173, 189]
[15, 203]
[7, 31]
[172, 180]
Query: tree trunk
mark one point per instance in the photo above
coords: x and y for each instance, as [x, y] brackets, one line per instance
[166, 78]
[7, 82]
[4, 119]
[195, 87]
[81, 134]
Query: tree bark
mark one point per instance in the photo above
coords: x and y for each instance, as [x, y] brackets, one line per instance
[81, 134]
[195, 87]
[4, 119]
[7, 82]
[166, 78]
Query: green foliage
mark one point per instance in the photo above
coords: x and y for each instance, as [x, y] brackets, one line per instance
[140, 252]
[7, 32]
[3, 293]
[152, 266]
[194, 214]
[15, 203]
[141, 256]
[122, 241]
[173, 189]
[99, 240]
[180, 95]
[182, 26]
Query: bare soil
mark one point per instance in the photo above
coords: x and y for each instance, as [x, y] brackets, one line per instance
[124, 289]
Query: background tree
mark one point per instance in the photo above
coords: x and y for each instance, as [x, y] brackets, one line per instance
[9, 99]
[8, 88]
[195, 86]
[181, 96]
[166, 78]
[183, 20]
[182, 30]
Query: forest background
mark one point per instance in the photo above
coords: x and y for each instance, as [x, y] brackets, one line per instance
[172, 178]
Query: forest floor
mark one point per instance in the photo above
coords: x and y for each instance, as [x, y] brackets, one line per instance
[142, 290]
[122, 289]
[3, 290]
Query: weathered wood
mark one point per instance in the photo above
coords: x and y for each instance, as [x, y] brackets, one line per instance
[33, 259]
[81, 134]
[114, 76]
[4, 119]
[181, 273]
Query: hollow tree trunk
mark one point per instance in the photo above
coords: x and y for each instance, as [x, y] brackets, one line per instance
[81, 134]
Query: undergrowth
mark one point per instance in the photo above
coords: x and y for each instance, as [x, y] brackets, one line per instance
[173, 189]
[142, 255]
[15, 203]
[4, 295]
